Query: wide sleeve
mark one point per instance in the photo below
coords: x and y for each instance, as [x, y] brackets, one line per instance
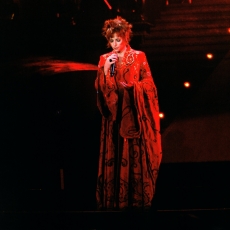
[146, 89]
[100, 84]
[146, 101]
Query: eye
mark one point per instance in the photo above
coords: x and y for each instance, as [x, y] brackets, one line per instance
[110, 40]
[118, 40]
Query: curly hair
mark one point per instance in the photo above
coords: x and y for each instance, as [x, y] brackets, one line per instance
[117, 25]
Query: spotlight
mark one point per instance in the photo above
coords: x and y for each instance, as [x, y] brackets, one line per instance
[161, 115]
[209, 56]
[187, 84]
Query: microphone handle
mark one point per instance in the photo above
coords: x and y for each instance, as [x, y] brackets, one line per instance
[112, 69]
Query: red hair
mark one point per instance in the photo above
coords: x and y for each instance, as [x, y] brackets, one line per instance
[117, 25]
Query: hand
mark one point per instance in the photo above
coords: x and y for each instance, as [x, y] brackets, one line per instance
[109, 61]
[127, 86]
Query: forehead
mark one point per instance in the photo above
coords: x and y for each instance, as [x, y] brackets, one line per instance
[116, 35]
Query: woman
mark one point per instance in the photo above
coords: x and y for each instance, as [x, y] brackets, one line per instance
[130, 143]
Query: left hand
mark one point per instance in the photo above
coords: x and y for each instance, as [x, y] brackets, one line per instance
[127, 86]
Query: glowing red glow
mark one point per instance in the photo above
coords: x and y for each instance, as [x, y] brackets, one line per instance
[47, 65]
[229, 30]
[187, 84]
[73, 22]
[107, 3]
[62, 179]
[209, 56]
[161, 115]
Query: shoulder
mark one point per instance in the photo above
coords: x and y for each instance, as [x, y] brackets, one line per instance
[138, 53]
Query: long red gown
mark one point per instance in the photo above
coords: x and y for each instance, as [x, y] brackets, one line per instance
[130, 141]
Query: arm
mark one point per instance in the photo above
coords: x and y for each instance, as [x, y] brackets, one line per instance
[99, 85]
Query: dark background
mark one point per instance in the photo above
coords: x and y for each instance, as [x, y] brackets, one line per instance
[49, 120]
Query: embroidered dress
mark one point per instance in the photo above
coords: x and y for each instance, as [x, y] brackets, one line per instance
[130, 141]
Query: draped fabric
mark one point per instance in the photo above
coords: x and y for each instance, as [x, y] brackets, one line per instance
[130, 141]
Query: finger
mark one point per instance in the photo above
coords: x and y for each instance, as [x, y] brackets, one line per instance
[122, 83]
[125, 85]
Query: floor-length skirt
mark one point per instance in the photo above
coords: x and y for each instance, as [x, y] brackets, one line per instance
[127, 172]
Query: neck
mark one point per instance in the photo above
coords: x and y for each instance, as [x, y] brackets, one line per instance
[121, 53]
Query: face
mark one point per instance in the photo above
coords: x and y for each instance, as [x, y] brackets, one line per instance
[118, 43]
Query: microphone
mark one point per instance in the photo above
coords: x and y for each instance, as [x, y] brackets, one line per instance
[112, 69]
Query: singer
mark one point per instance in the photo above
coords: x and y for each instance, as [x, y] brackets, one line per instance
[130, 141]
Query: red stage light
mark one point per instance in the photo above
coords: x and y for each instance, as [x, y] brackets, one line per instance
[107, 3]
[48, 66]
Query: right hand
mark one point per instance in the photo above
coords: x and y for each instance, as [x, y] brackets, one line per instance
[109, 61]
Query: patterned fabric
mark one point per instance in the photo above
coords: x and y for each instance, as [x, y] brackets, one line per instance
[130, 141]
